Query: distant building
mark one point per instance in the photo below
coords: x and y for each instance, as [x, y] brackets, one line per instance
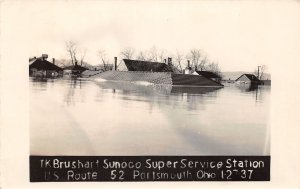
[138, 65]
[248, 79]
[210, 75]
[147, 66]
[74, 70]
[105, 67]
[40, 67]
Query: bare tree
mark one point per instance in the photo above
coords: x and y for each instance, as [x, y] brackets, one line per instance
[71, 47]
[82, 57]
[203, 62]
[195, 55]
[152, 54]
[259, 72]
[214, 67]
[62, 62]
[179, 57]
[262, 71]
[162, 55]
[127, 53]
[104, 60]
[142, 56]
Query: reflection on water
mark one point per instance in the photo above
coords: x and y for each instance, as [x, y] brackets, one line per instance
[247, 87]
[81, 117]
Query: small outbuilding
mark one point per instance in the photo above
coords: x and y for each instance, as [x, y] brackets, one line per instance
[40, 67]
[74, 70]
[248, 79]
[210, 75]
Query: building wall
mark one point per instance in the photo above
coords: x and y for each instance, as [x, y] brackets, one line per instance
[136, 65]
[70, 72]
[244, 79]
[194, 80]
[266, 82]
[44, 73]
[136, 76]
[164, 78]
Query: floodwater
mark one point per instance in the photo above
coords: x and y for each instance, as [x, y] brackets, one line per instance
[82, 117]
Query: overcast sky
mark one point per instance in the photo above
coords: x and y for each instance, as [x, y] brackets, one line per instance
[238, 35]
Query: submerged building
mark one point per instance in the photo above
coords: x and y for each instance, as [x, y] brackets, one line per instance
[156, 73]
[138, 65]
[210, 75]
[248, 79]
[147, 66]
[41, 67]
[74, 70]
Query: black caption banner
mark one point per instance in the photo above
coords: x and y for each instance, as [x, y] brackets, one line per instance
[148, 168]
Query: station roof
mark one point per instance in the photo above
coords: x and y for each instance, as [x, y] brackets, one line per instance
[251, 77]
[41, 64]
[208, 74]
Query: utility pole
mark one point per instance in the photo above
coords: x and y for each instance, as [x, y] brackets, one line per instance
[258, 72]
[116, 63]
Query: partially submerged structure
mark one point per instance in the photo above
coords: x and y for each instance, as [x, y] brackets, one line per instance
[74, 70]
[248, 79]
[147, 66]
[156, 73]
[210, 75]
[40, 67]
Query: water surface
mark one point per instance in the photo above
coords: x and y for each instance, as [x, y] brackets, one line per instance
[81, 117]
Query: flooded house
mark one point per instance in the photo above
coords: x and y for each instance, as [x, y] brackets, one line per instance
[74, 70]
[158, 73]
[147, 66]
[248, 79]
[41, 67]
[210, 75]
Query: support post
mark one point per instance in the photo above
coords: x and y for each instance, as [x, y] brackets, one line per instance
[116, 59]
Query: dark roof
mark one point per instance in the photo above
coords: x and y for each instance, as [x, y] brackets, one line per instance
[251, 77]
[75, 67]
[44, 65]
[208, 74]
[138, 65]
